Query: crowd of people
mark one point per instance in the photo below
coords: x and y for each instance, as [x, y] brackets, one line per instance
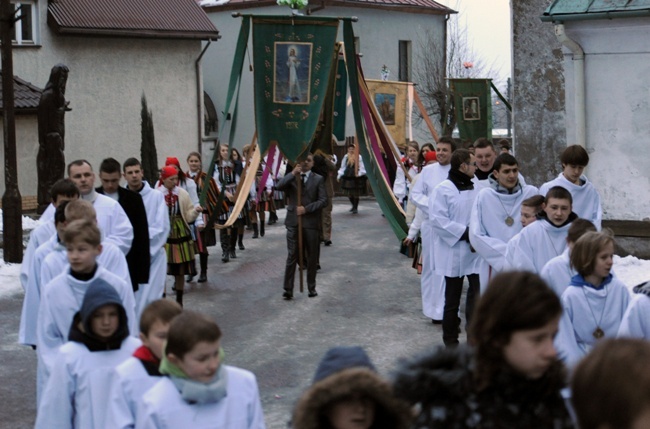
[543, 305]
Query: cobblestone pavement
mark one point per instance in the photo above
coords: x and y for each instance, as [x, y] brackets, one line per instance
[368, 295]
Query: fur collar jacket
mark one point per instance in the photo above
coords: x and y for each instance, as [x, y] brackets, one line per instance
[443, 384]
[310, 411]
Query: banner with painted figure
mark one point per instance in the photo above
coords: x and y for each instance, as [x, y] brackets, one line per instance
[394, 106]
[292, 58]
[473, 106]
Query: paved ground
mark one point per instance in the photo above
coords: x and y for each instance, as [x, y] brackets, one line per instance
[368, 295]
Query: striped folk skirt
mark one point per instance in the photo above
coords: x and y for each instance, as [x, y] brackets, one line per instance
[180, 249]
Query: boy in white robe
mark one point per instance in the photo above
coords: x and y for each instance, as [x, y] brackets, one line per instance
[530, 208]
[545, 239]
[450, 207]
[62, 190]
[76, 395]
[158, 220]
[111, 218]
[636, 320]
[432, 285]
[61, 298]
[140, 372]
[594, 302]
[586, 200]
[557, 272]
[205, 392]
[32, 299]
[496, 215]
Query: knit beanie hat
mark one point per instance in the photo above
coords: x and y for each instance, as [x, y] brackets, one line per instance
[339, 358]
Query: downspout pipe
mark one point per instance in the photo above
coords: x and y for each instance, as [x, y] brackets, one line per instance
[579, 83]
[199, 94]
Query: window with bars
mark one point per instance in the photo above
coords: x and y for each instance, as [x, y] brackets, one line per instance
[25, 29]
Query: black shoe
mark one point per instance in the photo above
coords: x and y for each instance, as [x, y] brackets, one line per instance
[328, 242]
[241, 246]
[351, 210]
[287, 295]
[354, 211]
[436, 321]
[312, 294]
[255, 231]
[189, 278]
[202, 278]
[233, 255]
[225, 256]
[317, 267]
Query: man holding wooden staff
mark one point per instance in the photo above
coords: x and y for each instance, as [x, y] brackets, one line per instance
[306, 197]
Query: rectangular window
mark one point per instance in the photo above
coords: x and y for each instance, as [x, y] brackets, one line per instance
[25, 29]
[404, 60]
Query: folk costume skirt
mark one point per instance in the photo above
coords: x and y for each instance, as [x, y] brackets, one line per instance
[180, 249]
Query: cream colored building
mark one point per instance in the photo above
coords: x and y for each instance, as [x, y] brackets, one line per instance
[116, 52]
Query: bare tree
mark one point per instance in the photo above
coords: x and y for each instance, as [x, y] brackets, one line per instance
[432, 71]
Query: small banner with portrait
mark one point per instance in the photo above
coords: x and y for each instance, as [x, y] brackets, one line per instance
[472, 98]
[292, 59]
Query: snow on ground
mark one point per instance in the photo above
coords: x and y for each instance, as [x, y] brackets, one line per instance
[630, 270]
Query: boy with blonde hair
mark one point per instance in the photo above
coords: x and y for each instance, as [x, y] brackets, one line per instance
[61, 298]
[140, 372]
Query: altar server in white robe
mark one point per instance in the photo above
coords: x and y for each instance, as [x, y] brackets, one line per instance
[62, 190]
[496, 215]
[432, 285]
[586, 199]
[61, 298]
[595, 301]
[158, 220]
[32, 299]
[111, 218]
[205, 392]
[530, 208]
[486, 155]
[636, 320]
[139, 373]
[402, 184]
[546, 238]
[76, 395]
[450, 207]
[557, 272]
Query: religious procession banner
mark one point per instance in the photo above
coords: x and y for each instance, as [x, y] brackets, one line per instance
[340, 99]
[392, 101]
[473, 106]
[292, 58]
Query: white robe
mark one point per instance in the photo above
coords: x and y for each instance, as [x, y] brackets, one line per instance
[38, 236]
[449, 212]
[61, 299]
[586, 309]
[488, 231]
[636, 320]
[586, 199]
[163, 408]
[158, 220]
[112, 221]
[32, 299]
[128, 383]
[48, 214]
[432, 285]
[557, 273]
[538, 243]
[76, 395]
[402, 185]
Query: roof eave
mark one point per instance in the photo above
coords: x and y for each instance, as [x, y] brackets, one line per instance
[340, 3]
[140, 34]
[588, 16]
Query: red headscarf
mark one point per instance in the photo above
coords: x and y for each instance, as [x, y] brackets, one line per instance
[168, 171]
[430, 156]
[172, 160]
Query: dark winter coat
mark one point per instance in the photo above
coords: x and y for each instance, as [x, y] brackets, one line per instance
[444, 385]
[310, 411]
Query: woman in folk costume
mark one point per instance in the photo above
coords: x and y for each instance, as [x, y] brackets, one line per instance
[207, 236]
[352, 176]
[402, 185]
[261, 199]
[227, 174]
[180, 246]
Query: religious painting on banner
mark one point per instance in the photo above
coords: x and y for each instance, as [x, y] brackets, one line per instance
[292, 60]
[394, 107]
[473, 107]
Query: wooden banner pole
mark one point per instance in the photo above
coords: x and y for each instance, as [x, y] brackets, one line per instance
[300, 255]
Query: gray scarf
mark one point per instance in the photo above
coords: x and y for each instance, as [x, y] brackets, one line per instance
[195, 392]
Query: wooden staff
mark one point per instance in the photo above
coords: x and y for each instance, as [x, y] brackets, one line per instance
[298, 204]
